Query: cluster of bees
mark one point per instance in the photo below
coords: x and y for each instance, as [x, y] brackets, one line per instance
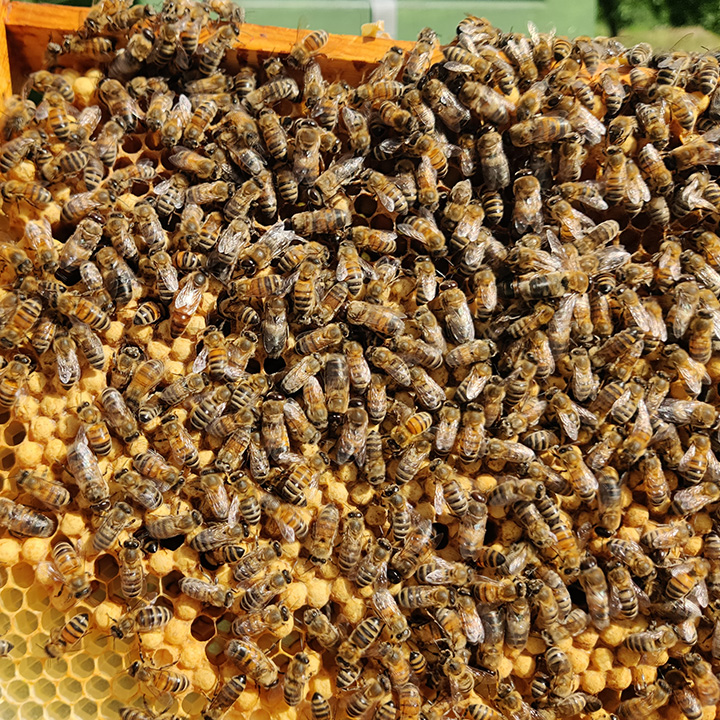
[449, 329]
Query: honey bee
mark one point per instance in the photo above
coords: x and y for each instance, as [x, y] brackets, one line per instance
[19, 113]
[359, 641]
[186, 302]
[173, 525]
[319, 627]
[121, 105]
[697, 459]
[633, 556]
[49, 492]
[113, 523]
[183, 450]
[386, 191]
[118, 415]
[541, 129]
[392, 364]
[206, 592]
[70, 569]
[297, 676]
[387, 610]
[353, 436]
[375, 317]
[132, 573]
[32, 193]
[213, 50]
[684, 696]
[367, 697]
[324, 533]
[164, 681]
[271, 618]
[305, 49]
[351, 543]
[706, 685]
[481, 712]
[142, 619]
[83, 466]
[488, 105]
[592, 579]
[653, 697]
[63, 638]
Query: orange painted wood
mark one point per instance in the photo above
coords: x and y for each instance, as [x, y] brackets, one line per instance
[29, 27]
[5, 79]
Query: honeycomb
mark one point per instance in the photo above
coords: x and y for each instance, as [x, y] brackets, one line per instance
[607, 670]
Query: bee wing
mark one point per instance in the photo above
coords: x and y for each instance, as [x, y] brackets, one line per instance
[700, 594]
[177, 151]
[516, 561]
[169, 277]
[184, 106]
[638, 191]
[368, 270]
[289, 458]
[230, 243]
[487, 297]
[285, 530]
[383, 602]
[558, 251]
[89, 118]
[611, 259]
[411, 232]
[439, 499]
[382, 579]
[563, 315]
[51, 570]
[163, 187]
[341, 272]
[642, 419]
[134, 107]
[459, 67]
[682, 317]
[181, 60]
[467, 165]
[348, 115]
[620, 401]
[594, 201]
[42, 110]
[694, 375]
[713, 471]
[476, 381]
[233, 511]
[68, 367]
[442, 567]
[687, 459]
[188, 296]
[385, 200]
[640, 315]
[200, 362]
[692, 195]
[657, 326]
[570, 423]
[586, 417]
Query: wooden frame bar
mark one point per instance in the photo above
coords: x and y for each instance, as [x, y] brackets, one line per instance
[28, 27]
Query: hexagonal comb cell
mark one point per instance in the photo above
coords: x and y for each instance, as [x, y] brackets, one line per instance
[106, 568]
[7, 460]
[14, 433]
[169, 584]
[203, 628]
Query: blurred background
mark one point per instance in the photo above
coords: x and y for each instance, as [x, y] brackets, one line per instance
[665, 24]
